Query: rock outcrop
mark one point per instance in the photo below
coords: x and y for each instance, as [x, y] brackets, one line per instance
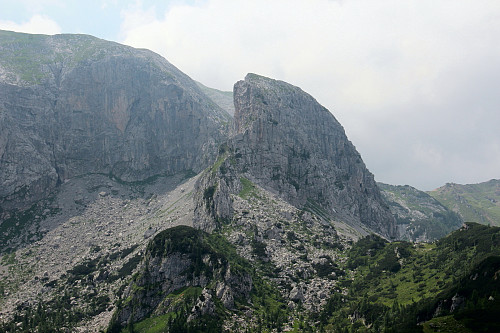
[181, 263]
[72, 105]
[222, 98]
[285, 141]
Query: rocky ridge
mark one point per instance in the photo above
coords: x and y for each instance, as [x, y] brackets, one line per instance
[298, 250]
[183, 258]
[473, 202]
[222, 98]
[299, 253]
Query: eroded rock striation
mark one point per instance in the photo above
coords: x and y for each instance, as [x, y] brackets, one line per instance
[72, 105]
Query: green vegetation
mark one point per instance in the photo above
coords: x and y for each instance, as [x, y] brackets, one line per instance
[77, 296]
[396, 285]
[271, 311]
[327, 268]
[247, 188]
[208, 196]
[258, 248]
[175, 321]
[445, 324]
[383, 287]
[151, 325]
[424, 215]
[315, 208]
[23, 227]
[127, 268]
[450, 285]
[180, 239]
[210, 256]
[221, 158]
[60, 314]
[475, 203]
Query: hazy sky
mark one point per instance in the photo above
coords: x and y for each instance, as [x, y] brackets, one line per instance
[415, 83]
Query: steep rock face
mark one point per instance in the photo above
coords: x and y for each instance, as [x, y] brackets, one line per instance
[72, 105]
[287, 142]
[214, 190]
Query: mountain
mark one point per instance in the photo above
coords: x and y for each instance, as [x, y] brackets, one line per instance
[289, 144]
[179, 264]
[473, 202]
[131, 201]
[419, 216]
[73, 105]
[428, 216]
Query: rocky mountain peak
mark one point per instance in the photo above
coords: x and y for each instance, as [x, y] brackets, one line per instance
[266, 97]
[291, 144]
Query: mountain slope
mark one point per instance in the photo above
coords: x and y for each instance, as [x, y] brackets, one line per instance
[473, 202]
[72, 105]
[179, 260]
[448, 286]
[222, 98]
[419, 217]
[87, 244]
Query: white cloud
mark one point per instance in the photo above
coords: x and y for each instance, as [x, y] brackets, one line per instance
[38, 24]
[105, 4]
[395, 73]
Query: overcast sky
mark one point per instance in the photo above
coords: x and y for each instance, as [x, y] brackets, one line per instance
[415, 83]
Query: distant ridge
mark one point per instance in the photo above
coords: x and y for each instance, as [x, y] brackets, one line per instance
[473, 202]
[222, 98]
[419, 216]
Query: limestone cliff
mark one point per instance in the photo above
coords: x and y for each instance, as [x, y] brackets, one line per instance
[72, 105]
[285, 141]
